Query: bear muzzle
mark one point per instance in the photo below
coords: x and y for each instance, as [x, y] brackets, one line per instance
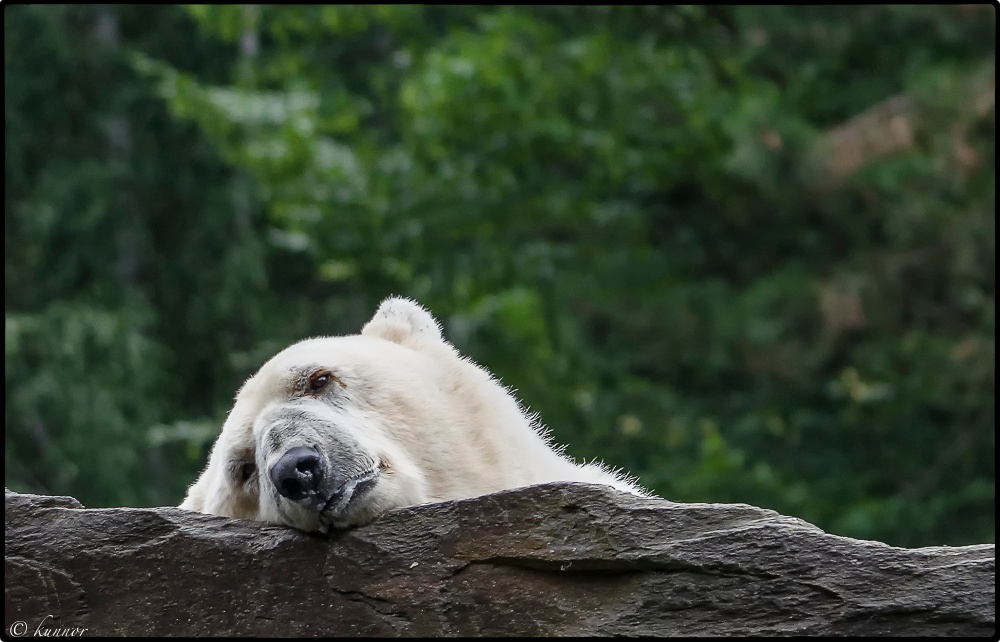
[300, 476]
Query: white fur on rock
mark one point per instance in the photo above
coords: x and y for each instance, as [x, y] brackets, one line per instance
[403, 405]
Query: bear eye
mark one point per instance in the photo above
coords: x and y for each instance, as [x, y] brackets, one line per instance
[247, 470]
[319, 380]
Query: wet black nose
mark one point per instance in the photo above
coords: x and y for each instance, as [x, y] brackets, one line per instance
[298, 473]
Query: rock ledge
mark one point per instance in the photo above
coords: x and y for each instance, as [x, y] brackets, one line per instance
[551, 560]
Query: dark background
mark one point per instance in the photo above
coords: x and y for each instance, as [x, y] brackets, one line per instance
[746, 253]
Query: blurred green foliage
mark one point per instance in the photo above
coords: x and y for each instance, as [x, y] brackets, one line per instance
[673, 230]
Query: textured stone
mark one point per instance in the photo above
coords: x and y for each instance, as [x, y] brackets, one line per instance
[558, 559]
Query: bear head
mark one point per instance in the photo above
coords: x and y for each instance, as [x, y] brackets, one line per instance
[334, 431]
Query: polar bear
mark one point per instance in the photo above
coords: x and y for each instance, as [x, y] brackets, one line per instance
[334, 431]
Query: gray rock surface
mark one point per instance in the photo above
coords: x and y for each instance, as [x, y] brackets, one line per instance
[558, 559]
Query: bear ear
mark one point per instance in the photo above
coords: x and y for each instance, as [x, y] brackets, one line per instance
[399, 320]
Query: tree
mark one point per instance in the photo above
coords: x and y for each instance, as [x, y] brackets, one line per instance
[744, 252]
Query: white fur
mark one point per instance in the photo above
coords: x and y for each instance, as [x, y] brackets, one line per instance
[437, 425]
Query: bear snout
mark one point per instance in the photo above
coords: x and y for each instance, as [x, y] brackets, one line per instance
[298, 473]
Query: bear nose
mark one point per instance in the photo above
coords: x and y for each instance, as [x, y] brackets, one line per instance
[297, 473]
